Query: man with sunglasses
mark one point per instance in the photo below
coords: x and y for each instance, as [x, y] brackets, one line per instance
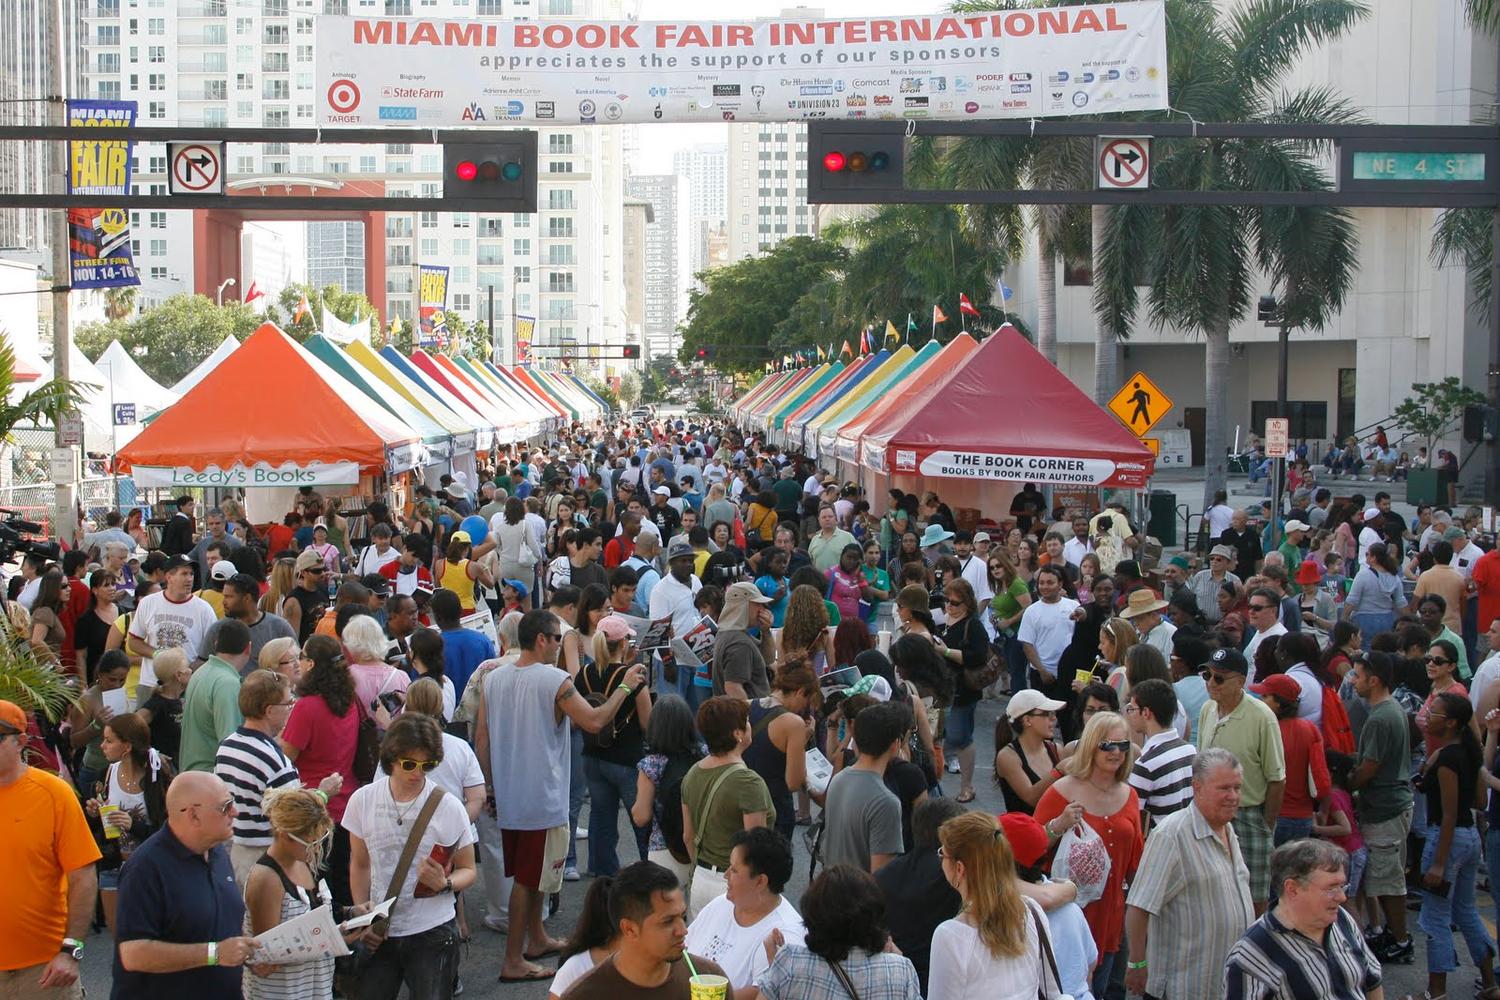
[304, 606]
[1265, 617]
[1249, 730]
[49, 897]
[179, 918]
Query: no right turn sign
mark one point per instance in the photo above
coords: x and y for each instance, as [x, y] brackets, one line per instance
[1124, 162]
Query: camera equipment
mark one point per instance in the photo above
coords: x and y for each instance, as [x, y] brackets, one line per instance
[12, 539]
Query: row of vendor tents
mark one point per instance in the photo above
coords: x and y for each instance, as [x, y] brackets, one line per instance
[336, 412]
[990, 411]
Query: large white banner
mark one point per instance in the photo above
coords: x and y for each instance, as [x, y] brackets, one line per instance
[1009, 64]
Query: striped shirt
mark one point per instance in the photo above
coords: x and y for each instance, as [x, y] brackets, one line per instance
[1274, 962]
[1163, 774]
[251, 763]
[1197, 891]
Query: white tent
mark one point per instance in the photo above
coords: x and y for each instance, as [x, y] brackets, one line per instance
[96, 413]
[130, 385]
[205, 366]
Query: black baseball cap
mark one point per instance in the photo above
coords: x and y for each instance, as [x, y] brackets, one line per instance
[1229, 659]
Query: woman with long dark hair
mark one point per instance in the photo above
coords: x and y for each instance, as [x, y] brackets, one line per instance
[595, 937]
[925, 680]
[672, 748]
[1011, 598]
[91, 631]
[47, 631]
[1451, 852]
[130, 804]
[1377, 596]
[321, 736]
[964, 647]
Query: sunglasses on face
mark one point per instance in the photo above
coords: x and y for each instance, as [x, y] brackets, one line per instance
[1260, 607]
[407, 764]
[1209, 677]
[222, 808]
[1438, 660]
[1114, 746]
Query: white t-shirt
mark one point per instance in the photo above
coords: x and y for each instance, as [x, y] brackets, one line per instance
[669, 597]
[1464, 558]
[373, 561]
[372, 816]
[1367, 537]
[570, 972]
[1310, 707]
[1218, 517]
[1048, 628]
[976, 571]
[740, 951]
[961, 967]
[167, 624]
[1260, 637]
[1487, 674]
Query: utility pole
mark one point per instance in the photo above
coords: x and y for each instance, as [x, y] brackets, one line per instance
[494, 344]
[65, 495]
[1492, 467]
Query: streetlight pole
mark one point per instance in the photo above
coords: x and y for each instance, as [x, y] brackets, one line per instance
[219, 296]
[64, 494]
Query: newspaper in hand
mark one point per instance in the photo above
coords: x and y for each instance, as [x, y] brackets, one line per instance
[300, 939]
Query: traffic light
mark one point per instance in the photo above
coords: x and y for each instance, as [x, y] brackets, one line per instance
[855, 164]
[631, 351]
[703, 354]
[493, 174]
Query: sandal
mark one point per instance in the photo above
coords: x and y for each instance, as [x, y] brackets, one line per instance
[966, 797]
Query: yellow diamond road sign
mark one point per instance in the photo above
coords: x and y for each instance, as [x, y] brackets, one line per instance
[1140, 404]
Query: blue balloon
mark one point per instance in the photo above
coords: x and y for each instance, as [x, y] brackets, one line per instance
[477, 527]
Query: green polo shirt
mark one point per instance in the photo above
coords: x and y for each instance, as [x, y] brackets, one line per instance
[210, 712]
[1251, 733]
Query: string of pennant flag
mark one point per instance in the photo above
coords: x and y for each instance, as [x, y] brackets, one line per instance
[869, 335]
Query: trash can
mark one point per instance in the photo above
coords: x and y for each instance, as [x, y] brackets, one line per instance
[1162, 518]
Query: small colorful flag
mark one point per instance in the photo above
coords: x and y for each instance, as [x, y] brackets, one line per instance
[911, 324]
[965, 306]
[820, 352]
[847, 349]
[252, 293]
[890, 332]
[303, 309]
[937, 315]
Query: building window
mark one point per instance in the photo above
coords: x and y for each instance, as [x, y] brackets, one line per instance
[560, 282]
[156, 110]
[463, 302]
[559, 166]
[158, 274]
[521, 248]
[490, 8]
[490, 226]
[462, 276]
[523, 275]
[560, 199]
[462, 220]
[560, 143]
[156, 26]
[429, 247]
[1078, 272]
[462, 248]
[521, 220]
[398, 255]
[158, 220]
[560, 228]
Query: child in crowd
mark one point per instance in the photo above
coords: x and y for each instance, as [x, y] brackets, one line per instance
[1336, 822]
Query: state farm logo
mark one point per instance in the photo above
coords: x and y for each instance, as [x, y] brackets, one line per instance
[343, 96]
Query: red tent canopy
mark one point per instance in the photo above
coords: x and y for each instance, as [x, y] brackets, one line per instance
[269, 403]
[1007, 414]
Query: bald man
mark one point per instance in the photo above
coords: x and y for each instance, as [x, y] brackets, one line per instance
[178, 924]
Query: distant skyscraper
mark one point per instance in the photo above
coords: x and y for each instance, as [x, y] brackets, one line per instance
[336, 255]
[661, 259]
[767, 187]
[705, 170]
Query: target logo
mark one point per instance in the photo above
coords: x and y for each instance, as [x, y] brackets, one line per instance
[343, 96]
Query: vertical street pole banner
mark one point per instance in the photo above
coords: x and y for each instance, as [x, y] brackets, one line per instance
[431, 304]
[99, 238]
[525, 325]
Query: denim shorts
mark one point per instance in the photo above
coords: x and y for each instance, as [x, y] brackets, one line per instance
[958, 727]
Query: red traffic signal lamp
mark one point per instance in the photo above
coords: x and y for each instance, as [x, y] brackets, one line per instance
[631, 351]
[496, 174]
[860, 164]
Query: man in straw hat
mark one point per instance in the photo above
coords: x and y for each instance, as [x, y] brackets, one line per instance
[1144, 610]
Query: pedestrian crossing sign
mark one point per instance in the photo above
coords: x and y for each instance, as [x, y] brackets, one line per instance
[1140, 404]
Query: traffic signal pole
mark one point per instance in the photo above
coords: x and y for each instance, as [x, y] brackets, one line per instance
[64, 494]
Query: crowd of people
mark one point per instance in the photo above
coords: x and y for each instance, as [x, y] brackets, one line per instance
[1219, 780]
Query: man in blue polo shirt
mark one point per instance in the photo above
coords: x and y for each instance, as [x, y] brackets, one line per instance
[179, 919]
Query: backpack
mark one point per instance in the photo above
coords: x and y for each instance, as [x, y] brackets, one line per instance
[604, 738]
[1338, 734]
[669, 794]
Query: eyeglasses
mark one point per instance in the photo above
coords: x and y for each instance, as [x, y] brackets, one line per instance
[1440, 661]
[312, 844]
[407, 764]
[315, 570]
[554, 636]
[1260, 607]
[1114, 746]
[949, 602]
[1209, 677]
[283, 704]
[222, 808]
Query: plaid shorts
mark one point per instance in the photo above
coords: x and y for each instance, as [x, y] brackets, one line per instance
[1255, 844]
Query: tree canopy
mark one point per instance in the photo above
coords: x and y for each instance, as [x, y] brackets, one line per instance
[168, 340]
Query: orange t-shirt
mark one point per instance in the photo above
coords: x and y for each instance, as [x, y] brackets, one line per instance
[45, 835]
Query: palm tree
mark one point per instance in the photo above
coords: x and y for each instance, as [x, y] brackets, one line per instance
[1198, 262]
[48, 401]
[1466, 235]
[28, 681]
[119, 302]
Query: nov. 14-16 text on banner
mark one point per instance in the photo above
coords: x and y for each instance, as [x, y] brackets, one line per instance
[1107, 57]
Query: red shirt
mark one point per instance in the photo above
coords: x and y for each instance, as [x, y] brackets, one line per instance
[1306, 768]
[325, 744]
[617, 550]
[1123, 839]
[79, 600]
[280, 539]
[1486, 575]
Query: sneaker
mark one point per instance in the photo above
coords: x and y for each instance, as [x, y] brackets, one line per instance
[570, 873]
[458, 986]
[952, 765]
[498, 924]
[554, 903]
[1398, 952]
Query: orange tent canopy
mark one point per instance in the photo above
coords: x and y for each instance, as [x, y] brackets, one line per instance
[269, 402]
